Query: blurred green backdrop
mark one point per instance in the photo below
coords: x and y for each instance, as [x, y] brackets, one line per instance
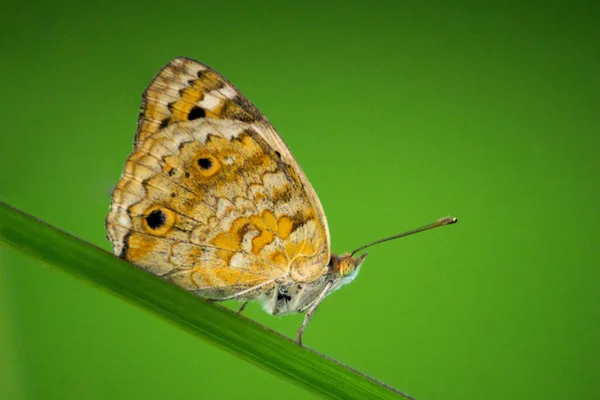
[399, 113]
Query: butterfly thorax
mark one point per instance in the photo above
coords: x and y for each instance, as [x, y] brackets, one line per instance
[289, 296]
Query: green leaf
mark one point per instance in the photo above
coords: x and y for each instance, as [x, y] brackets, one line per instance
[212, 323]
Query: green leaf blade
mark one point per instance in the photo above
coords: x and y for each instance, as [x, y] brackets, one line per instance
[214, 324]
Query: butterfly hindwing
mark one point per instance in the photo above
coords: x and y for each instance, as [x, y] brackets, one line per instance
[211, 198]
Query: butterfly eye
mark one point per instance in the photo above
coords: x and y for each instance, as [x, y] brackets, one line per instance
[348, 267]
[344, 266]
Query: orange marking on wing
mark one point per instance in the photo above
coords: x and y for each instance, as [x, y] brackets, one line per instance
[139, 246]
[260, 241]
[270, 220]
[154, 112]
[225, 109]
[279, 258]
[209, 80]
[225, 241]
[180, 111]
[189, 97]
[201, 277]
[168, 169]
[148, 127]
[193, 94]
[295, 250]
[211, 114]
[238, 227]
[284, 227]
[290, 249]
[258, 222]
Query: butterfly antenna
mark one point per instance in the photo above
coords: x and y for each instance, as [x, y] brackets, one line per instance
[439, 222]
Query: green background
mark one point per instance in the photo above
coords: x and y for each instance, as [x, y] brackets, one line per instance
[399, 113]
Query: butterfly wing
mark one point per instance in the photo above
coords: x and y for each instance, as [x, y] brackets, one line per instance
[211, 198]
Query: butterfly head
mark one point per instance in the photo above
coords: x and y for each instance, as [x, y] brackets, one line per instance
[347, 264]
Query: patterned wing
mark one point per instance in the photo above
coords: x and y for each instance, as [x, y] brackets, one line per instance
[211, 198]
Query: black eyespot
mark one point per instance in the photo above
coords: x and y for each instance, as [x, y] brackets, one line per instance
[171, 172]
[205, 163]
[278, 154]
[156, 219]
[187, 174]
[196, 113]
[164, 123]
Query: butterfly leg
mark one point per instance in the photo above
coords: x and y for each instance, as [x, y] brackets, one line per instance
[311, 310]
[242, 308]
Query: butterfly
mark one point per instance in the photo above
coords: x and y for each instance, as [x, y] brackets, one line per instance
[212, 200]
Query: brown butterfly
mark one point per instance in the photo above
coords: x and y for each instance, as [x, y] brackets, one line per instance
[212, 200]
